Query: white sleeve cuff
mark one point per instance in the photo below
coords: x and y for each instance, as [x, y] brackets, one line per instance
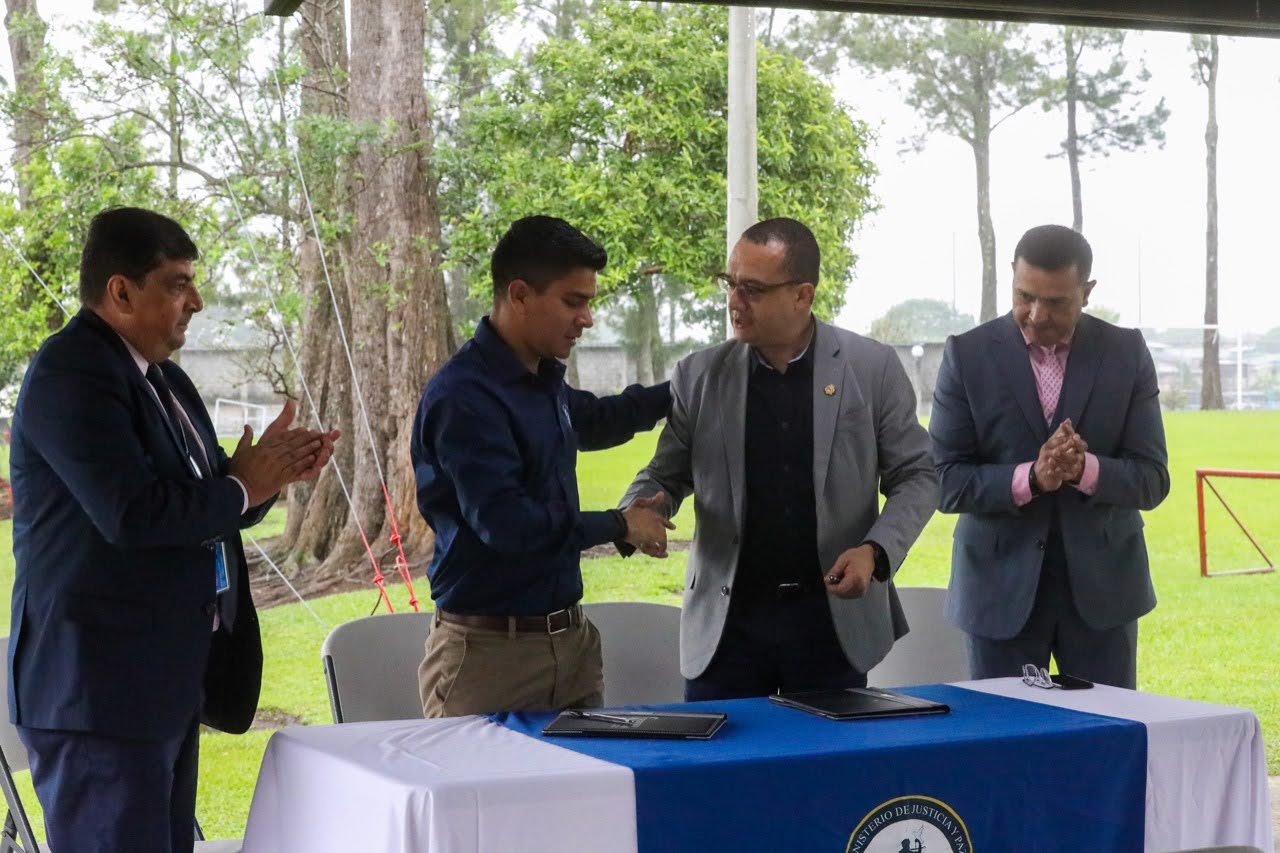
[245, 506]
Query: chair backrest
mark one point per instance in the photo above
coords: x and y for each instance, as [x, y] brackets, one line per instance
[17, 833]
[371, 666]
[932, 652]
[641, 644]
[15, 753]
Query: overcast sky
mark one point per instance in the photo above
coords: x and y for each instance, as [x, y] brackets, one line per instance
[1144, 213]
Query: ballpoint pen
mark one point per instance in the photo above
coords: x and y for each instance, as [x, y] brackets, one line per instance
[604, 718]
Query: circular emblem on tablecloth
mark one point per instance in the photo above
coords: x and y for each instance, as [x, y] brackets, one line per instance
[914, 824]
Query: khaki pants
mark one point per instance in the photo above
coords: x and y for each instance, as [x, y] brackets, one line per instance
[482, 671]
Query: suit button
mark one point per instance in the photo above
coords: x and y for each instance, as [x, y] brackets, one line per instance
[724, 590]
[1040, 544]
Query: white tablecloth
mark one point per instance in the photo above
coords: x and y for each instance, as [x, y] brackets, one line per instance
[1206, 766]
[467, 785]
[463, 784]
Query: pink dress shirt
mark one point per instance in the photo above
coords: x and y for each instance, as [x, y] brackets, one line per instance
[1049, 364]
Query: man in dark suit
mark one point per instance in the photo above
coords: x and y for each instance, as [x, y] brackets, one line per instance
[1048, 440]
[132, 619]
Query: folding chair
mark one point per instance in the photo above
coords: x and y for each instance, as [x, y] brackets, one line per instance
[17, 835]
[641, 645]
[371, 667]
[932, 652]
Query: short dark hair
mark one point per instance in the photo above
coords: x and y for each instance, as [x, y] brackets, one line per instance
[802, 258]
[539, 250]
[1055, 247]
[129, 241]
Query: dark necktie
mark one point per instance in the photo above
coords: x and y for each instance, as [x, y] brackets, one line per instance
[177, 420]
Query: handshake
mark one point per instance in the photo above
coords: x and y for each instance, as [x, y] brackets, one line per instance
[646, 525]
[1061, 459]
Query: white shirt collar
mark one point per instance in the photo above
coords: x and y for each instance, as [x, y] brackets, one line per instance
[141, 362]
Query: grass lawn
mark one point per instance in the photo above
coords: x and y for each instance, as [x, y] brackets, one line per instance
[1207, 639]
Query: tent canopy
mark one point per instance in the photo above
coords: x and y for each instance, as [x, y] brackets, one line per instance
[1228, 17]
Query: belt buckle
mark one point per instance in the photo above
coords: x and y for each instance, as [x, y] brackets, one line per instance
[568, 621]
[786, 590]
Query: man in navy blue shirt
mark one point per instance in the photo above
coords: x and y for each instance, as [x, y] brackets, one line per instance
[495, 450]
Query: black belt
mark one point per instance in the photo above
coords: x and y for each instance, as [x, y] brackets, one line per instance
[551, 623]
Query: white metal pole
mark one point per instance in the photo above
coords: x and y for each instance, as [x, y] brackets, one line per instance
[1240, 370]
[741, 178]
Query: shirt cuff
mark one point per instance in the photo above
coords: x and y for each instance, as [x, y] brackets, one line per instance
[1022, 484]
[1089, 479]
[598, 528]
[883, 570]
[233, 478]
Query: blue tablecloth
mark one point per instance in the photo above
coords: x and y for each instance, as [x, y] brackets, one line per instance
[995, 774]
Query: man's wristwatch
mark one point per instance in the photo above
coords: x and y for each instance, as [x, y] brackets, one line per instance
[1036, 491]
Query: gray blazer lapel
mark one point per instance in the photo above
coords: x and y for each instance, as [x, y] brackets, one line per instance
[1009, 349]
[733, 423]
[1082, 368]
[828, 391]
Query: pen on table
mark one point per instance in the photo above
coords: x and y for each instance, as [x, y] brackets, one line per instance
[602, 718]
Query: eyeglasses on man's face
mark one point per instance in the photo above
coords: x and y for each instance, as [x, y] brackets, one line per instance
[748, 288]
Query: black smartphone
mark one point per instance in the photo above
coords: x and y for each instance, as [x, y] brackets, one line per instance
[1070, 682]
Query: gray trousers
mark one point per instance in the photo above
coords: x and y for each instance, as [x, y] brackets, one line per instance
[1055, 628]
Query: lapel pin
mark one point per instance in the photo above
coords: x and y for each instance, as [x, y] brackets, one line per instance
[830, 390]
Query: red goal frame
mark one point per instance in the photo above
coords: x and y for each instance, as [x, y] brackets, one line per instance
[1202, 479]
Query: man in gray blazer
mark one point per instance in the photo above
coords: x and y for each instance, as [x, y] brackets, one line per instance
[1048, 441]
[786, 435]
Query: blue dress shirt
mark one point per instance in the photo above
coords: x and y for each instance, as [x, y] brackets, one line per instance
[495, 452]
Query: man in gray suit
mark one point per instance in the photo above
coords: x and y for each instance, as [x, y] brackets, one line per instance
[785, 435]
[1048, 440]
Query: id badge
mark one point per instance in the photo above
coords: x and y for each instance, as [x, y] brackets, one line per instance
[221, 581]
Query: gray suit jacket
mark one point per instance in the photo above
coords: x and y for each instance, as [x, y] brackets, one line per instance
[987, 419]
[865, 438]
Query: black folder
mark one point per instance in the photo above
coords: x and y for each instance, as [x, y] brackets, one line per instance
[687, 725]
[858, 703]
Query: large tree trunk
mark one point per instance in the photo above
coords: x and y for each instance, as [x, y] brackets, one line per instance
[981, 144]
[1073, 134]
[1211, 370]
[318, 512]
[26, 31]
[647, 341]
[399, 315]
[986, 229]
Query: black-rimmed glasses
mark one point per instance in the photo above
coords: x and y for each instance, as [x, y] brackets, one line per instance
[748, 288]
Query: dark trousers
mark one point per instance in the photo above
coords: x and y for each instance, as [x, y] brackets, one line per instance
[1055, 628]
[111, 795]
[775, 644]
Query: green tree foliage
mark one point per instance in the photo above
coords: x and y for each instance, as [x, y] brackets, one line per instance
[918, 321]
[622, 131]
[1093, 76]
[964, 78]
[171, 105]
